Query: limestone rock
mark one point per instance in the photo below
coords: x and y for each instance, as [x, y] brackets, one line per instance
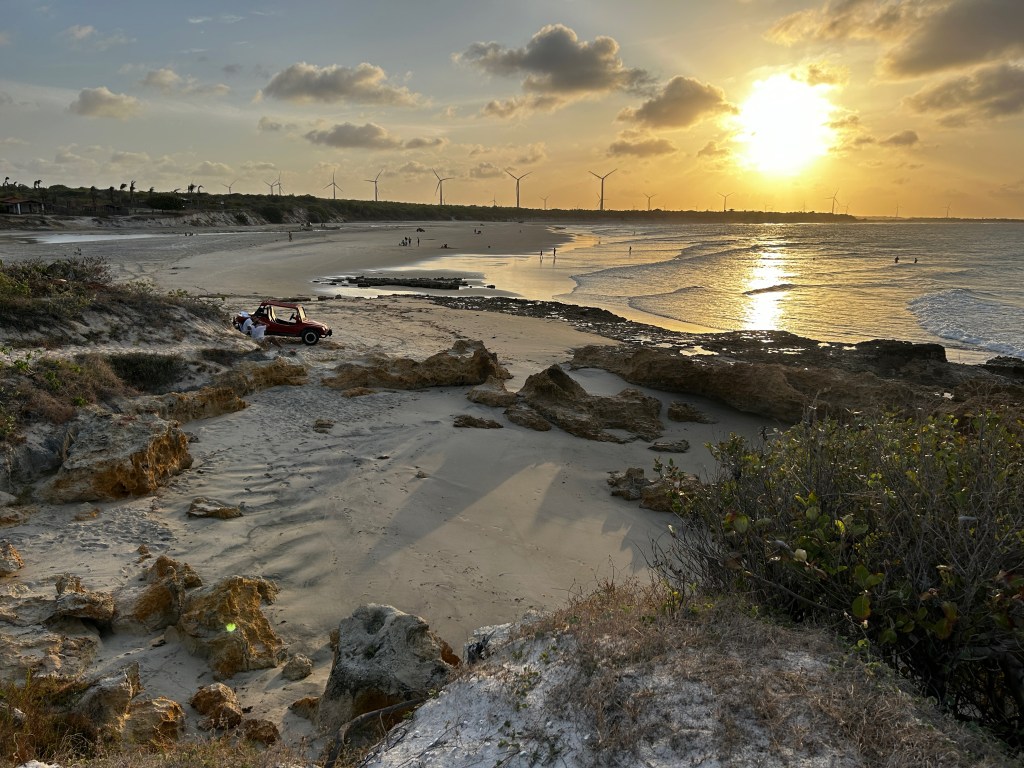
[157, 604]
[492, 393]
[562, 401]
[154, 722]
[7, 499]
[75, 601]
[525, 416]
[382, 657]
[204, 507]
[252, 377]
[629, 484]
[298, 667]
[225, 624]
[39, 651]
[468, 362]
[261, 731]
[678, 411]
[105, 703]
[305, 707]
[475, 422]
[113, 456]
[10, 559]
[219, 706]
[671, 446]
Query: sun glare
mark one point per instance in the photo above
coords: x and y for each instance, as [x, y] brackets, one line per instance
[784, 125]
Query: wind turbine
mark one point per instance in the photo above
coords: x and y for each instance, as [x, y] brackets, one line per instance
[280, 191]
[897, 209]
[229, 186]
[271, 184]
[725, 199]
[947, 211]
[545, 199]
[374, 182]
[518, 179]
[834, 200]
[334, 192]
[602, 178]
[440, 187]
[649, 198]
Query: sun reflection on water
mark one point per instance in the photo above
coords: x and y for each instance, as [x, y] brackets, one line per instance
[765, 292]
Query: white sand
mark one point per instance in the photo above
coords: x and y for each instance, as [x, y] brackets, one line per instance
[465, 527]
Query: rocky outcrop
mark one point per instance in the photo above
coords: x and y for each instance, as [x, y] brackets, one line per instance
[204, 507]
[525, 416]
[37, 651]
[105, 703]
[492, 393]
[464, 420]
[225, 624]
[562, 401]
[660, 495]
[112, 456]
[382, 657]
[74, 601]
[298, 667]
[203, 403]
[10, 559]
[253, 377]
[154, 722]
[684, 412]
[218, 705]
[158, 603]
[466, 363]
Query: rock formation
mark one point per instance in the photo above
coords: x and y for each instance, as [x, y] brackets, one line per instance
[468, 362]
[382, 657]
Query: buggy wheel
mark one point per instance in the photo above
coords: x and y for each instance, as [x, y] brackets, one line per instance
[310, 337]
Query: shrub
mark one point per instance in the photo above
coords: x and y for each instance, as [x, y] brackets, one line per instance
[907, 534]
[271, 213]
[147, 372]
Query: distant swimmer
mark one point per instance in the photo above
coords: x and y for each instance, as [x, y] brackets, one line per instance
[896, 260]
[915, 259]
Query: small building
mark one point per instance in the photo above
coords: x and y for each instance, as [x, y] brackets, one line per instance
[20, 205]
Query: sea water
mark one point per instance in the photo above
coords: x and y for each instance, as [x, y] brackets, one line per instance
[960, 284]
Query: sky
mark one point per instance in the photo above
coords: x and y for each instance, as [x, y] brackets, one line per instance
[867, 107]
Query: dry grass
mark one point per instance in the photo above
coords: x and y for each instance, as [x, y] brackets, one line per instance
[796, 685]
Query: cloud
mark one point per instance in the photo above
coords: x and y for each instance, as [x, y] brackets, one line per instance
[349, 136]
[79, 33]
[990, 92]
[426, 143]
[170, 82]
[522, 105]
[902, 139]
[258, 166]
[532, 153]
[682, 102]
[711, 149]
[846, 20]
[89, 35]
[6, 98]
[101, 102]
[414, 168]
[209, 168]
[486, 171]
[4, 38]
[963, 33]
[129, 158]
[821, 74]
[269, 125]
[555, 62]
[640, 146]
[364, 84]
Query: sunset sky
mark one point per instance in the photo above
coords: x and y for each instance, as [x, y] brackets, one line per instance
[856, 105]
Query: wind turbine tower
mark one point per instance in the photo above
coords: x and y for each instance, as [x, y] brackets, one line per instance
[834, 200]
[725, 200]
[602, 178]
[518, 179]
[440, 187]
[334, 192]
[649, 198]
[545, 199]
[374, 182]
[229, 186]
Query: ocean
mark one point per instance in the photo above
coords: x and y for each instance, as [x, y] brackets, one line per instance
[960, 284]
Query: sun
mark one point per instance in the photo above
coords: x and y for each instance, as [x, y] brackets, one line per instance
[785, 125]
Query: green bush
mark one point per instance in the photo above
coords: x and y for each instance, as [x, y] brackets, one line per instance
[271, 213]
[147, 372]
[909, 535]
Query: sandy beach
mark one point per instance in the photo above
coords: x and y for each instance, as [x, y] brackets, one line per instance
[390, 503]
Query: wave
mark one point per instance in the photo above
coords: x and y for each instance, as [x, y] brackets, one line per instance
[959, 315]
[771, 289]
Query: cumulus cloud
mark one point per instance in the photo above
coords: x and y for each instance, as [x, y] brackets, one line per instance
[821, 74]
[210, 168]
[349, 136]
[414, 168]
[129, 158]
[485, 171]
[88, 36]
[634, 145]
[963, 33]
[846, 20]
[532, 153]
[170, 82]
[79, 32]
[434, 142]
[556, 68]
[902, 139]
[990, 92]
[102, 102]
[683, 102]
[365, 84]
